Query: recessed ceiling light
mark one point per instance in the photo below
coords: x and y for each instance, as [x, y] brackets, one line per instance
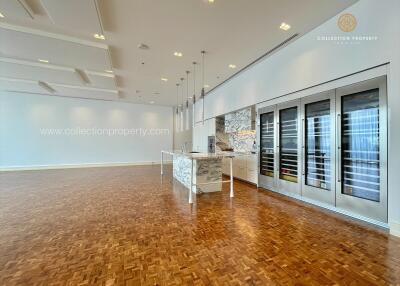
[178, 54]
[43, 61]
[1, 15]
[99, 36]
[285, 26]
[109, 71]
[210, 1]
[151, 102]
[232, 66]
[164, 79]
[206, 86]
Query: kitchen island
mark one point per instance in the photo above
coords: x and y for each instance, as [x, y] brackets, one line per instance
[199, 172]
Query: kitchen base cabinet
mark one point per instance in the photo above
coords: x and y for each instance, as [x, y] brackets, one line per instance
[244, 168]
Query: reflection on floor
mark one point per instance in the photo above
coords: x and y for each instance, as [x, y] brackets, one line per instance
[124, 226]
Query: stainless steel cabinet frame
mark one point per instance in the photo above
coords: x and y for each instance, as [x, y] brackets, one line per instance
[329, 149]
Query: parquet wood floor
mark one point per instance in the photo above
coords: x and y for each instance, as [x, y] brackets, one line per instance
[123, 226]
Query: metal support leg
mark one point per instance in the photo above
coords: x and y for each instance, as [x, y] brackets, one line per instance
[231, 183]
[191, 185]
[162, 162]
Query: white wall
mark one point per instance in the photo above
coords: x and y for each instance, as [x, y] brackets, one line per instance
[309, 61]
[24, 116]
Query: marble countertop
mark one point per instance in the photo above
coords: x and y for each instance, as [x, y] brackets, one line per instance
[199, 156]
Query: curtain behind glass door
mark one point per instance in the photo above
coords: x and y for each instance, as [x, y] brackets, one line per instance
[318, 144]
[288, 157]
[360, 145]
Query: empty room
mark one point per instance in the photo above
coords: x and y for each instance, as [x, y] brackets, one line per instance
[199, 142]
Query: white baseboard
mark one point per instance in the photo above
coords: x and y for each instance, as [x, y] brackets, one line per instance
[394, 228]
[74, 166]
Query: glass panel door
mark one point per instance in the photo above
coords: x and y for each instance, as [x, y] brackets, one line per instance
[288, 146]
[267, 141]
[267, 144]
[362, 149]
[318, 157]
[360, 145]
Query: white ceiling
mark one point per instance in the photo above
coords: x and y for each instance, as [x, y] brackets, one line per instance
[61, 32]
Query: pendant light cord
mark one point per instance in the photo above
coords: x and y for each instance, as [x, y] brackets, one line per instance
[177, 96]
[203, 93]
[204, 67]
[182, 79]
[194, 82]
[187, 89]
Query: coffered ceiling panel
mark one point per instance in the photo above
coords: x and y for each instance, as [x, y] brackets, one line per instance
[89, 93]
[101, 80]
[27, 44]
[74, 14]
[28, 86]
[151, 43]
[38, 72]
[15, 9]
[31, 86]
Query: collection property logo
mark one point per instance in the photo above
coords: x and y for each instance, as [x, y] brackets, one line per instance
[347, 22]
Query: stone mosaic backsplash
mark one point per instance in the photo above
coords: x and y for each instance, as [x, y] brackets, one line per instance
[240, 141]
[221, 138]
[238, 121]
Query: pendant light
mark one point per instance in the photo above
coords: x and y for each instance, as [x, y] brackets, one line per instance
[202, 96]
[182, 79]
[177, 109]
[187, 100]
[194, 94]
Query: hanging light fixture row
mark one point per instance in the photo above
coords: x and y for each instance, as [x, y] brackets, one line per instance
[180, 103]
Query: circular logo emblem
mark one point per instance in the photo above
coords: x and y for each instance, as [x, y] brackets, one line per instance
[347, 22]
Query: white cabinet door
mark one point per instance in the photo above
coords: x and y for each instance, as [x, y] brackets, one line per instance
[196, 137]
[244, 168]
[201, 137]
[211, 127]
[235, 170]
[241, 162]
[242, 173]
[251, 175]
[252, 162]
[200, 134]
[226, 167]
